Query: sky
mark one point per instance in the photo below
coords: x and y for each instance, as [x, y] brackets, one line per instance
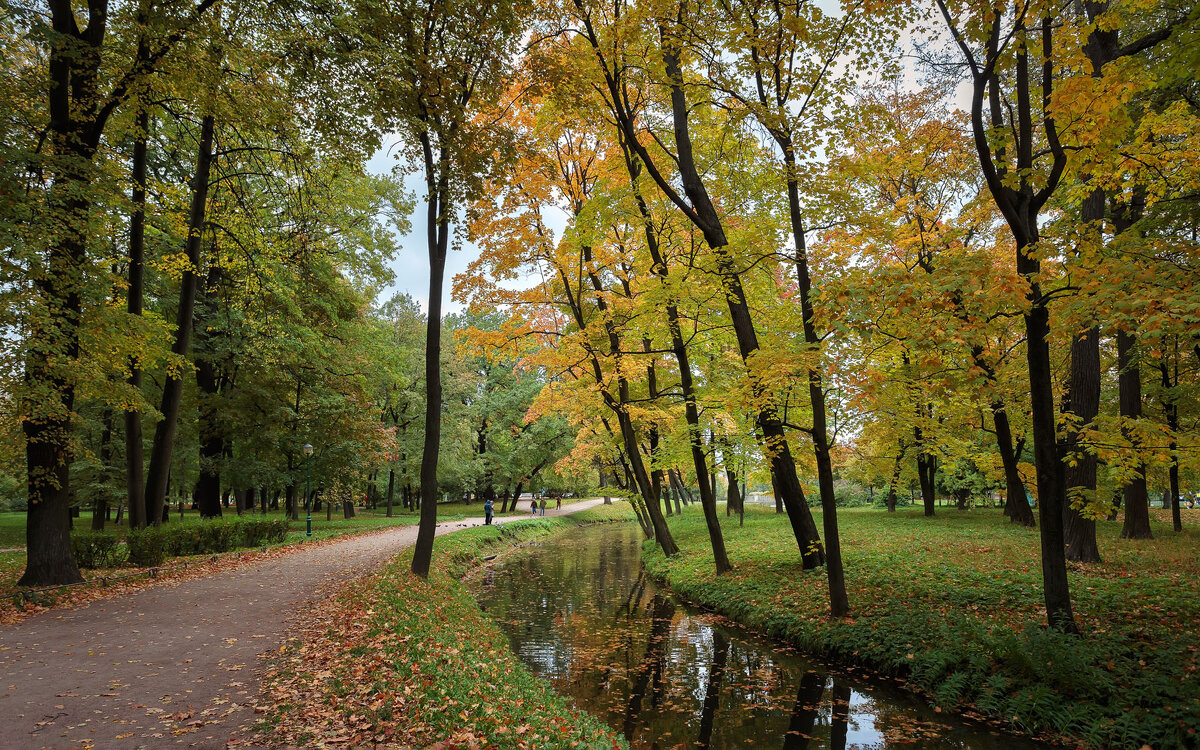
[411, 264]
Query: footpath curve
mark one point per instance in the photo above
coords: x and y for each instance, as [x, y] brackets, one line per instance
[175, 664]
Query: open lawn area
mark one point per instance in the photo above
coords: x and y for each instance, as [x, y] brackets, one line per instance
[954, 605]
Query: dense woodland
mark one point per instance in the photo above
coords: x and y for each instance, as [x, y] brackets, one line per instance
[893, 250]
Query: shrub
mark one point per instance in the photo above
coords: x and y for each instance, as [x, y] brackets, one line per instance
[848, 494]
[147, 547]
[12, 494]
[151, 546]
[254, 532]
[215, 536]
[95, 549]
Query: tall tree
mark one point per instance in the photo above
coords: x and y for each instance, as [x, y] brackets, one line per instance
[442, 64]
[696, 204]
[158, 472]
[87, 81]
[1020, 183]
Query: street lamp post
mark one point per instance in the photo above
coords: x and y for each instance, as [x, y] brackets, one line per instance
[307, 492]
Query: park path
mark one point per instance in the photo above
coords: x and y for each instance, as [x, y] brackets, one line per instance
[175, 664]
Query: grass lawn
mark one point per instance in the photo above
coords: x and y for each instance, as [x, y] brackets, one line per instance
[12, 530]
[403, 661]
[954, 604]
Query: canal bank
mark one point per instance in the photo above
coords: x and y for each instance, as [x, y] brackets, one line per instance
[580, 611]
[951, 606]
[392, 660]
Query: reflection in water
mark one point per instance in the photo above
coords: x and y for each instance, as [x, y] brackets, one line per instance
[580, 611]
[804, 713]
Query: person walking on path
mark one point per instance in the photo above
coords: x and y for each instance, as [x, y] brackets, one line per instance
[558, 503]
[487, 511]
[543, 506]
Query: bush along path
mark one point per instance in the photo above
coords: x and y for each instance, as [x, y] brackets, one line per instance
[396, 661]
[172, 665]
[950, 606]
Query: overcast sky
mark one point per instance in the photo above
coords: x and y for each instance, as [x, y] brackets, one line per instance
[411, 264]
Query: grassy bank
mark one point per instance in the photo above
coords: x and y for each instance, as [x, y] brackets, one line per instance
[953, 604]
[396, 659]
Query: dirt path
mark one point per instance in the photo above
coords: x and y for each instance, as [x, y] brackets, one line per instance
[174, 665]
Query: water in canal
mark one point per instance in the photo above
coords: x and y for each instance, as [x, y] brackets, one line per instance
[580, 612]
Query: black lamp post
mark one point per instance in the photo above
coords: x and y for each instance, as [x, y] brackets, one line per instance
[307, 493]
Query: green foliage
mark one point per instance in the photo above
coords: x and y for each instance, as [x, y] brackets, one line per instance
[850, 494]
[147, 547]
[93, 549]
[151, 546]
[253, 532]
[12, 494]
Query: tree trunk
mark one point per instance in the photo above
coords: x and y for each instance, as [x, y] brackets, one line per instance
[437, 179]
[1020, 202]
[895, 482]
[634, 465]
[1051, 489]
[733, 499]
[212, 440]
[1171, 409]
[1016, 506]
[927, 476]
[134, 461]
[1083, 400]
[391, 490]
[347, 508]
[164, 433]
[1137, 499]
[698, 208]
[54, 335]
[679, 348]
[100, 507]
[839, 602]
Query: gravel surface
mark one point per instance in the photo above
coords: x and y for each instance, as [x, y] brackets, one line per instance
[176, 664]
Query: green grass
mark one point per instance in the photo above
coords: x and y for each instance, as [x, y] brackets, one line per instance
[954, 605]
[415, 661]
[12, 530]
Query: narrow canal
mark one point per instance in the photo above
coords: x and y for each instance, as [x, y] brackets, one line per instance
[580, 612]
